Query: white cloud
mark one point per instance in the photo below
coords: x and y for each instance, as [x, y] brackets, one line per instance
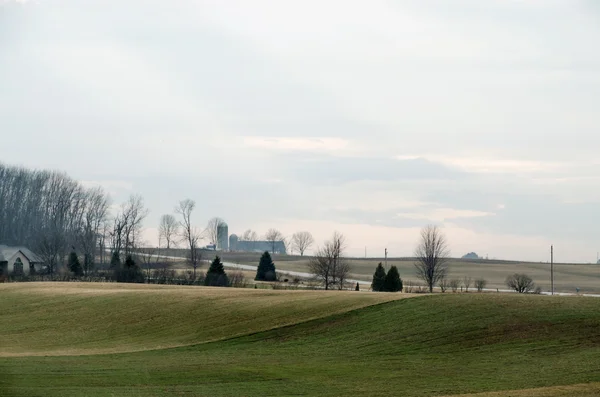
[114, 188]
[322, 145]
[490, 164]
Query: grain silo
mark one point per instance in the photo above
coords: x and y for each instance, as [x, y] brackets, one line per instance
[233, 242]
[223, 237]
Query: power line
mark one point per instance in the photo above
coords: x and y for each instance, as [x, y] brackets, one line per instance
[552, 268]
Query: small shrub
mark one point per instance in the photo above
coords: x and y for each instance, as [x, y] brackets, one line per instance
[467, 283]
[521, 283]
[480, 284]
[270, 276]
[443, 284]
[454, 284]
[237, 280]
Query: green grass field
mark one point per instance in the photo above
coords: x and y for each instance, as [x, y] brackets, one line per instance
[222, 342]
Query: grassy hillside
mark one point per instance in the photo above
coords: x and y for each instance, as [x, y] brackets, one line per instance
[437, 345]
[88, 318]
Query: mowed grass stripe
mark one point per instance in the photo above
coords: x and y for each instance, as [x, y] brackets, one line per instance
[84, 318]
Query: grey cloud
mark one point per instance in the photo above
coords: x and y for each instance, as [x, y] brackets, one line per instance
[323, 169]
[526, 214]
[525, 88]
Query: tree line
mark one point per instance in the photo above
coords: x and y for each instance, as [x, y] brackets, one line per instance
[55, 216]
[50, 213]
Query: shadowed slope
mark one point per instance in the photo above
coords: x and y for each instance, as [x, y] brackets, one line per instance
[585, 390]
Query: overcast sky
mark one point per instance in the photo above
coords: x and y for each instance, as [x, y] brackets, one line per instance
[372, 118]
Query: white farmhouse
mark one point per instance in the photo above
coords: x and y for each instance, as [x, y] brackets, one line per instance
[18, 260]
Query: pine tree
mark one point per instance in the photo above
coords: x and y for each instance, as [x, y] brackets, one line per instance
[130, 272]
[393, 282]
[357, 287]
[378, 283]
[129, 262]
[74, 264]
[115, 260]
[266, 268]
[216, 276]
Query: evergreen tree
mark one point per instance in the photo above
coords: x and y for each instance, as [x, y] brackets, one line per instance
[129, 262]
[378, 283]
[266, 268]
[393, 282]
[74, 264]
[115, 260]
[130, 272]
[216, 276]
[357, 287]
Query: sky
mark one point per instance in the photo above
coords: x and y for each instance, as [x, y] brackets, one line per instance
[373, 118]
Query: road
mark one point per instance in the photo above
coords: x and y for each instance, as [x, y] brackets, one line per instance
[253, 268]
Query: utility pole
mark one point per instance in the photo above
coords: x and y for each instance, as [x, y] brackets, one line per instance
[386, 259]
[552, 268]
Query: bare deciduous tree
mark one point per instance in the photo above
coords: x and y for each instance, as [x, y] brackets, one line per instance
[444, 284]
[237, 279]
[50, 213]
[454, 284]
[432, 256]
[301, 241]
[212, 229]
[146, 257]
[252, 237]
[480, 284]
[91, 233]
[168, 230]
[274, 236]
[249, 235]
[329, 265]
[189, 233]
[467, 283]
[521, 283]
[49, 249]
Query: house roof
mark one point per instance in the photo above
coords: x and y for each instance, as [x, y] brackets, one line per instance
[7, 253]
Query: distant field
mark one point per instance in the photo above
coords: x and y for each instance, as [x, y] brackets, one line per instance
[283, 343]
[567, 277]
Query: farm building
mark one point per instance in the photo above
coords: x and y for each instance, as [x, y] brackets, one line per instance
[235, 244]
[18, 260]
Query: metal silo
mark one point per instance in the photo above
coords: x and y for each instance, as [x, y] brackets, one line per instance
[233, 242]
[223, 237]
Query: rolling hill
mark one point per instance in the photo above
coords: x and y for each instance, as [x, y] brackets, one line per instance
[224, 342]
